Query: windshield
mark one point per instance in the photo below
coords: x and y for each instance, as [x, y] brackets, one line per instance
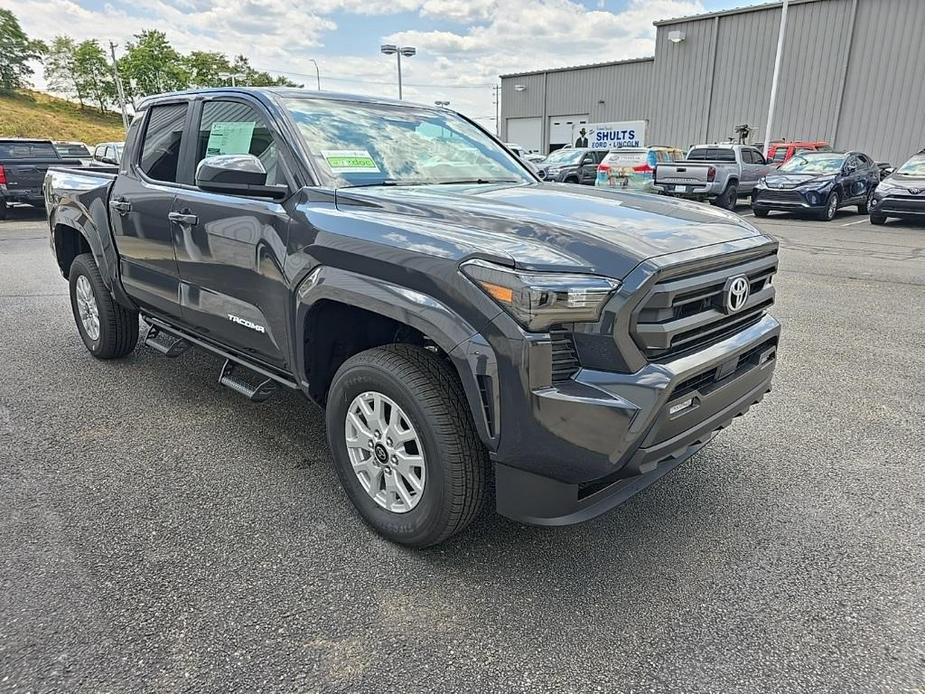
[914, 167]
[357, 144]
[813, 163]
[565, 156]
[72, 150]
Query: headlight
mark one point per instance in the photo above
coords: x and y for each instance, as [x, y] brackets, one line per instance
[762, 182]
[553, 170]
[537, 300]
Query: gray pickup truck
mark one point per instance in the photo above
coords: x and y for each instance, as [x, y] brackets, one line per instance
[467, 327]
[719, 173]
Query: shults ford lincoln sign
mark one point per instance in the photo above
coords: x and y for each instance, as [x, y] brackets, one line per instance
[631, 133]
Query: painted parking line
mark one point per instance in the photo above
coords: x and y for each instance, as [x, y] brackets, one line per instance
[748, 214]
[860, 221]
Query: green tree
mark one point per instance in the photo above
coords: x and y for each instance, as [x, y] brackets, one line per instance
[257, 78]
[206, 68]
[94, 73]
[16, 51]
[60, 68]
[151, 65]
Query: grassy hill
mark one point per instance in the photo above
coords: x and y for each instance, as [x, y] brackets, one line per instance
[34, 114]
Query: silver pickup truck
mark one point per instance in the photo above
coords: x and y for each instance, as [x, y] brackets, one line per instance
[719, 173]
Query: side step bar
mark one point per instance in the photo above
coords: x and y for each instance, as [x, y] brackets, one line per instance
[257, 392]
[171, 346]
[172, 342]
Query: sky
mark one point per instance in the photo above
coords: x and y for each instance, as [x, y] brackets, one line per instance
[462, 45]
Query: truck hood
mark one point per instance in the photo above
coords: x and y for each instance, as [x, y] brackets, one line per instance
[544, 226]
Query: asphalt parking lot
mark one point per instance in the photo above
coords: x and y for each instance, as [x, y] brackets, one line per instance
[160, 533]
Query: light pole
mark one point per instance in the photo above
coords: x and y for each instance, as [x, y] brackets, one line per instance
[317, 72]
[776, 77]
[399, 51]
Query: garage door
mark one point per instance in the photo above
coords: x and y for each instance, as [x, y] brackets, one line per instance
[560, 129]
[526, 132]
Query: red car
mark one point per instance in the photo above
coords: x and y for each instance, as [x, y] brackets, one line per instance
[779, 152]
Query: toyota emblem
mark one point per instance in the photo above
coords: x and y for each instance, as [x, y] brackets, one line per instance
[737, 290]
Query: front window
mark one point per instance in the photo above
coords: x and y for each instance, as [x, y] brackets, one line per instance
[914, 167]
[814, 163]
[68, 150]
[382, 144]
[565, 157]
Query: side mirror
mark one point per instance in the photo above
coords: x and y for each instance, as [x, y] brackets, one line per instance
[108, 160]
[236, 174]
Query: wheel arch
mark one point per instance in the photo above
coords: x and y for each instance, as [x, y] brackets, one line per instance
[371, 312]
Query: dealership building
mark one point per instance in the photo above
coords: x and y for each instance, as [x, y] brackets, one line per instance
[852, 73]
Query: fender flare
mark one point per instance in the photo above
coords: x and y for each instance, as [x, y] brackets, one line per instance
[473, 358]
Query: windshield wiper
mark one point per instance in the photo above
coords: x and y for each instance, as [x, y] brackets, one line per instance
[480, 181]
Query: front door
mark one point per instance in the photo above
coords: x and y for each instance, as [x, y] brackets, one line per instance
[139, 204]
[231, 249]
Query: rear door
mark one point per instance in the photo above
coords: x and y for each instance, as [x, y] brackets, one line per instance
[140, 202]
[231, 249]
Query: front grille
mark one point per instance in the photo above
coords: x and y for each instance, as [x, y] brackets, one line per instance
[780, 196]
[706, 381]
[904, 203]
[684, 311]
[564, 358]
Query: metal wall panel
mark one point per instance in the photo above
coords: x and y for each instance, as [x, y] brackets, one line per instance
[855, 78]
[883, 112]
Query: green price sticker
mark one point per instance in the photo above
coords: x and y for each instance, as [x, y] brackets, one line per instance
[350, 161]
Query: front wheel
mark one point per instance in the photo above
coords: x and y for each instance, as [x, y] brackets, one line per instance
[109, 330]
[877, 219]
[404, 444]
[759, 212]
[831, 207]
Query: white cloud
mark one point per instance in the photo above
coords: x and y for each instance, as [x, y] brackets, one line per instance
[493, 37]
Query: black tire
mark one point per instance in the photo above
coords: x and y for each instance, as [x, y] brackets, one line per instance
[864, 207]
[759, 212]
[118, 330]
[877, 219]
[571, 179]
[831, 207]
[728, 198]
[3, 208]
[430, 394]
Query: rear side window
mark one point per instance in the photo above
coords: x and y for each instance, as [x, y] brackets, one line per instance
[230, 127]
[160, 151]
[28, 150]
[780, 154]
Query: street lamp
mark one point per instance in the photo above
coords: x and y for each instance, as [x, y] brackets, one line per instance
[399, 51]
[317, 72]
[442, 103]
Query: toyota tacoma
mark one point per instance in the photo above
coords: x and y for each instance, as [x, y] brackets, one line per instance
[471, 331]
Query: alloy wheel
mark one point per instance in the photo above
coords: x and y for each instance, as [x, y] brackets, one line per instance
[385, 451]
[87, 308]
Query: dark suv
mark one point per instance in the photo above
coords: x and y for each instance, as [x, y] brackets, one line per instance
[572, 165]
[457, 318]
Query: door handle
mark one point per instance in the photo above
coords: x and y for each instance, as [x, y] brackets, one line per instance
[121, 206]
[184, 218]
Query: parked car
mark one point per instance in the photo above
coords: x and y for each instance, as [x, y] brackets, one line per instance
[572, 165]
[535, 157]
[23, 163]
[719, 173]
[634, 168]
[108, 154]
[902, 193]
[818, 183]
[779, 152]
[450, 315]
[74, 150]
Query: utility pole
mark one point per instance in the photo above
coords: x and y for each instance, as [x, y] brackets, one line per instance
[317, 72]
[774, 80]
[118, 80]
[497, 90]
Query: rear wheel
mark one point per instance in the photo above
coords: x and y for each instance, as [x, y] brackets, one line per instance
[864, 207]
[109, 330]
[831, 207]
[877, 219]
[728, 198]
[404, 444]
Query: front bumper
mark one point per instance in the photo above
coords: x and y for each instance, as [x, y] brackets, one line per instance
[789, 200]
[899, 205]
[598, 439]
